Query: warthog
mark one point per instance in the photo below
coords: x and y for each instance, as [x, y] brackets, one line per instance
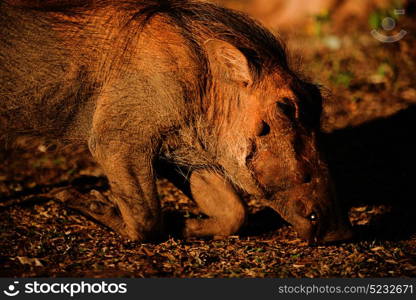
[198, 87]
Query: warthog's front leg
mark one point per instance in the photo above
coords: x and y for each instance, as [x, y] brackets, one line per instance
[131, 207]
[216, 198]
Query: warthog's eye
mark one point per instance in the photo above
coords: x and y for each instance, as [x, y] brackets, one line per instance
[263, 129]
[313, 217]
[287, 108]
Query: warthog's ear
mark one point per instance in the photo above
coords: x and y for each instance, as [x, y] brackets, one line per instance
[227, 62]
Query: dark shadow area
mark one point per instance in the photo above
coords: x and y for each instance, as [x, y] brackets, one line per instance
[85, 184]
[374, 164]
[264, 221]
[37, 190]
[82, 183]
[261, 222]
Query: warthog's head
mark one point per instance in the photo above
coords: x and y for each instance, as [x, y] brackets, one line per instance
[287, 163]
[270, 134]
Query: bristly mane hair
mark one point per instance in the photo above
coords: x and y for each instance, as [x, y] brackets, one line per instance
[262, 49]
[196, 20]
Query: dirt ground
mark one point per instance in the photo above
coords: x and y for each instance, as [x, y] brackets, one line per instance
[368, 124]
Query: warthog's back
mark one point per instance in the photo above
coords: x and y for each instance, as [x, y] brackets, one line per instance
[55, 57]
[41, 92]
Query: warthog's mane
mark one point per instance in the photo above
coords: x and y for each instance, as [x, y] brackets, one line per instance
[196, 19]
[199, 20]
